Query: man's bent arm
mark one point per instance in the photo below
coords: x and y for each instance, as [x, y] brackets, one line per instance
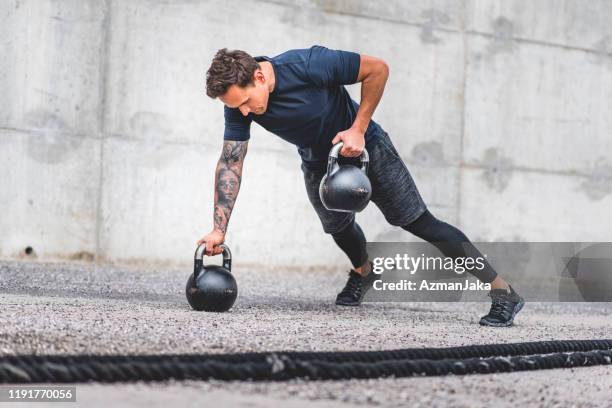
[373, 74]
[228, 176]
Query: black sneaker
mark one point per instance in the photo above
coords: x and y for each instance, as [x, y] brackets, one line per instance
[504, 306]
[355, 288]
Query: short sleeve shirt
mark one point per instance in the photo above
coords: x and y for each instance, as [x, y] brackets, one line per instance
[309, 104]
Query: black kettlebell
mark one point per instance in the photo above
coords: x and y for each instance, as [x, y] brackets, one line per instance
[211, 288]
[345, 188]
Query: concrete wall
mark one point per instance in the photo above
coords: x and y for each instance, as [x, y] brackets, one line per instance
[108, 143]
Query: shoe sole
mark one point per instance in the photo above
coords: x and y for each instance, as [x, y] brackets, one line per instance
[348, 304]
[510, 322]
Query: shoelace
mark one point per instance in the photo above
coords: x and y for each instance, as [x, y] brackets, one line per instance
[352, 285]
[499, 307]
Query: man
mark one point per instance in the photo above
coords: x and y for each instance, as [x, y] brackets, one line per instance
[300, 96]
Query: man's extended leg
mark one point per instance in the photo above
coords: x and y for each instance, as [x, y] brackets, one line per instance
[397, 196]
[453, 243]
[506, 303]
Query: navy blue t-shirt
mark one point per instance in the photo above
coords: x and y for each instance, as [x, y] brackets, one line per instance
[309, 104]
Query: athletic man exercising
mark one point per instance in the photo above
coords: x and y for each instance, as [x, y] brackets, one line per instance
[300, 96]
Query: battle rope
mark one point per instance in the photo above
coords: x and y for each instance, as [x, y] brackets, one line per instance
[278, 366]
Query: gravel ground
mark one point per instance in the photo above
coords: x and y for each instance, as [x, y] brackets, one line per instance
[84, 308]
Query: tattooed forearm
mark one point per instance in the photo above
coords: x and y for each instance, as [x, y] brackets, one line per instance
[227, 181]
[234, 152]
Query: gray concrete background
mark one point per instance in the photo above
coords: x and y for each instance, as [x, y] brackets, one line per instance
[108, 143]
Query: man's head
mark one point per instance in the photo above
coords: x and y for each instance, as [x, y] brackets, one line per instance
[238, 81]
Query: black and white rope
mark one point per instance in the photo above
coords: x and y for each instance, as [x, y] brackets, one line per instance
[280, 366]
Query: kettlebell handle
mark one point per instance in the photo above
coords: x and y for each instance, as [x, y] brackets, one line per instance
[198, 260]
[335, 152]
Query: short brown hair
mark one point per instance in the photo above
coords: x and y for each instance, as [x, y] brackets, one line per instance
[229, 68]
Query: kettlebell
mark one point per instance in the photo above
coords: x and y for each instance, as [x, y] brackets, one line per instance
[211, 288]
[345, 188]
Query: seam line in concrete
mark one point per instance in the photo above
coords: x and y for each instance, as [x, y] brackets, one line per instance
[105, 136]
[450, 30]
[102, 88]
[525, 169]
[573, 173]
[543, 43]
[463, 110]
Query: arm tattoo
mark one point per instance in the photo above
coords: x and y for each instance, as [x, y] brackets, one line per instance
[234, 152]
[227, 181]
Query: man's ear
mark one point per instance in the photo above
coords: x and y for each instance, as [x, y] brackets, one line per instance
[258, 76]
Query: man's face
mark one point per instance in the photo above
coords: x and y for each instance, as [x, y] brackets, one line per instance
[251, 99]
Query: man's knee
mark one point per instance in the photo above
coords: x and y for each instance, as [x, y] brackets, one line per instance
[432, 229]
[421, 224]
[344, 231]
[338, 226]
